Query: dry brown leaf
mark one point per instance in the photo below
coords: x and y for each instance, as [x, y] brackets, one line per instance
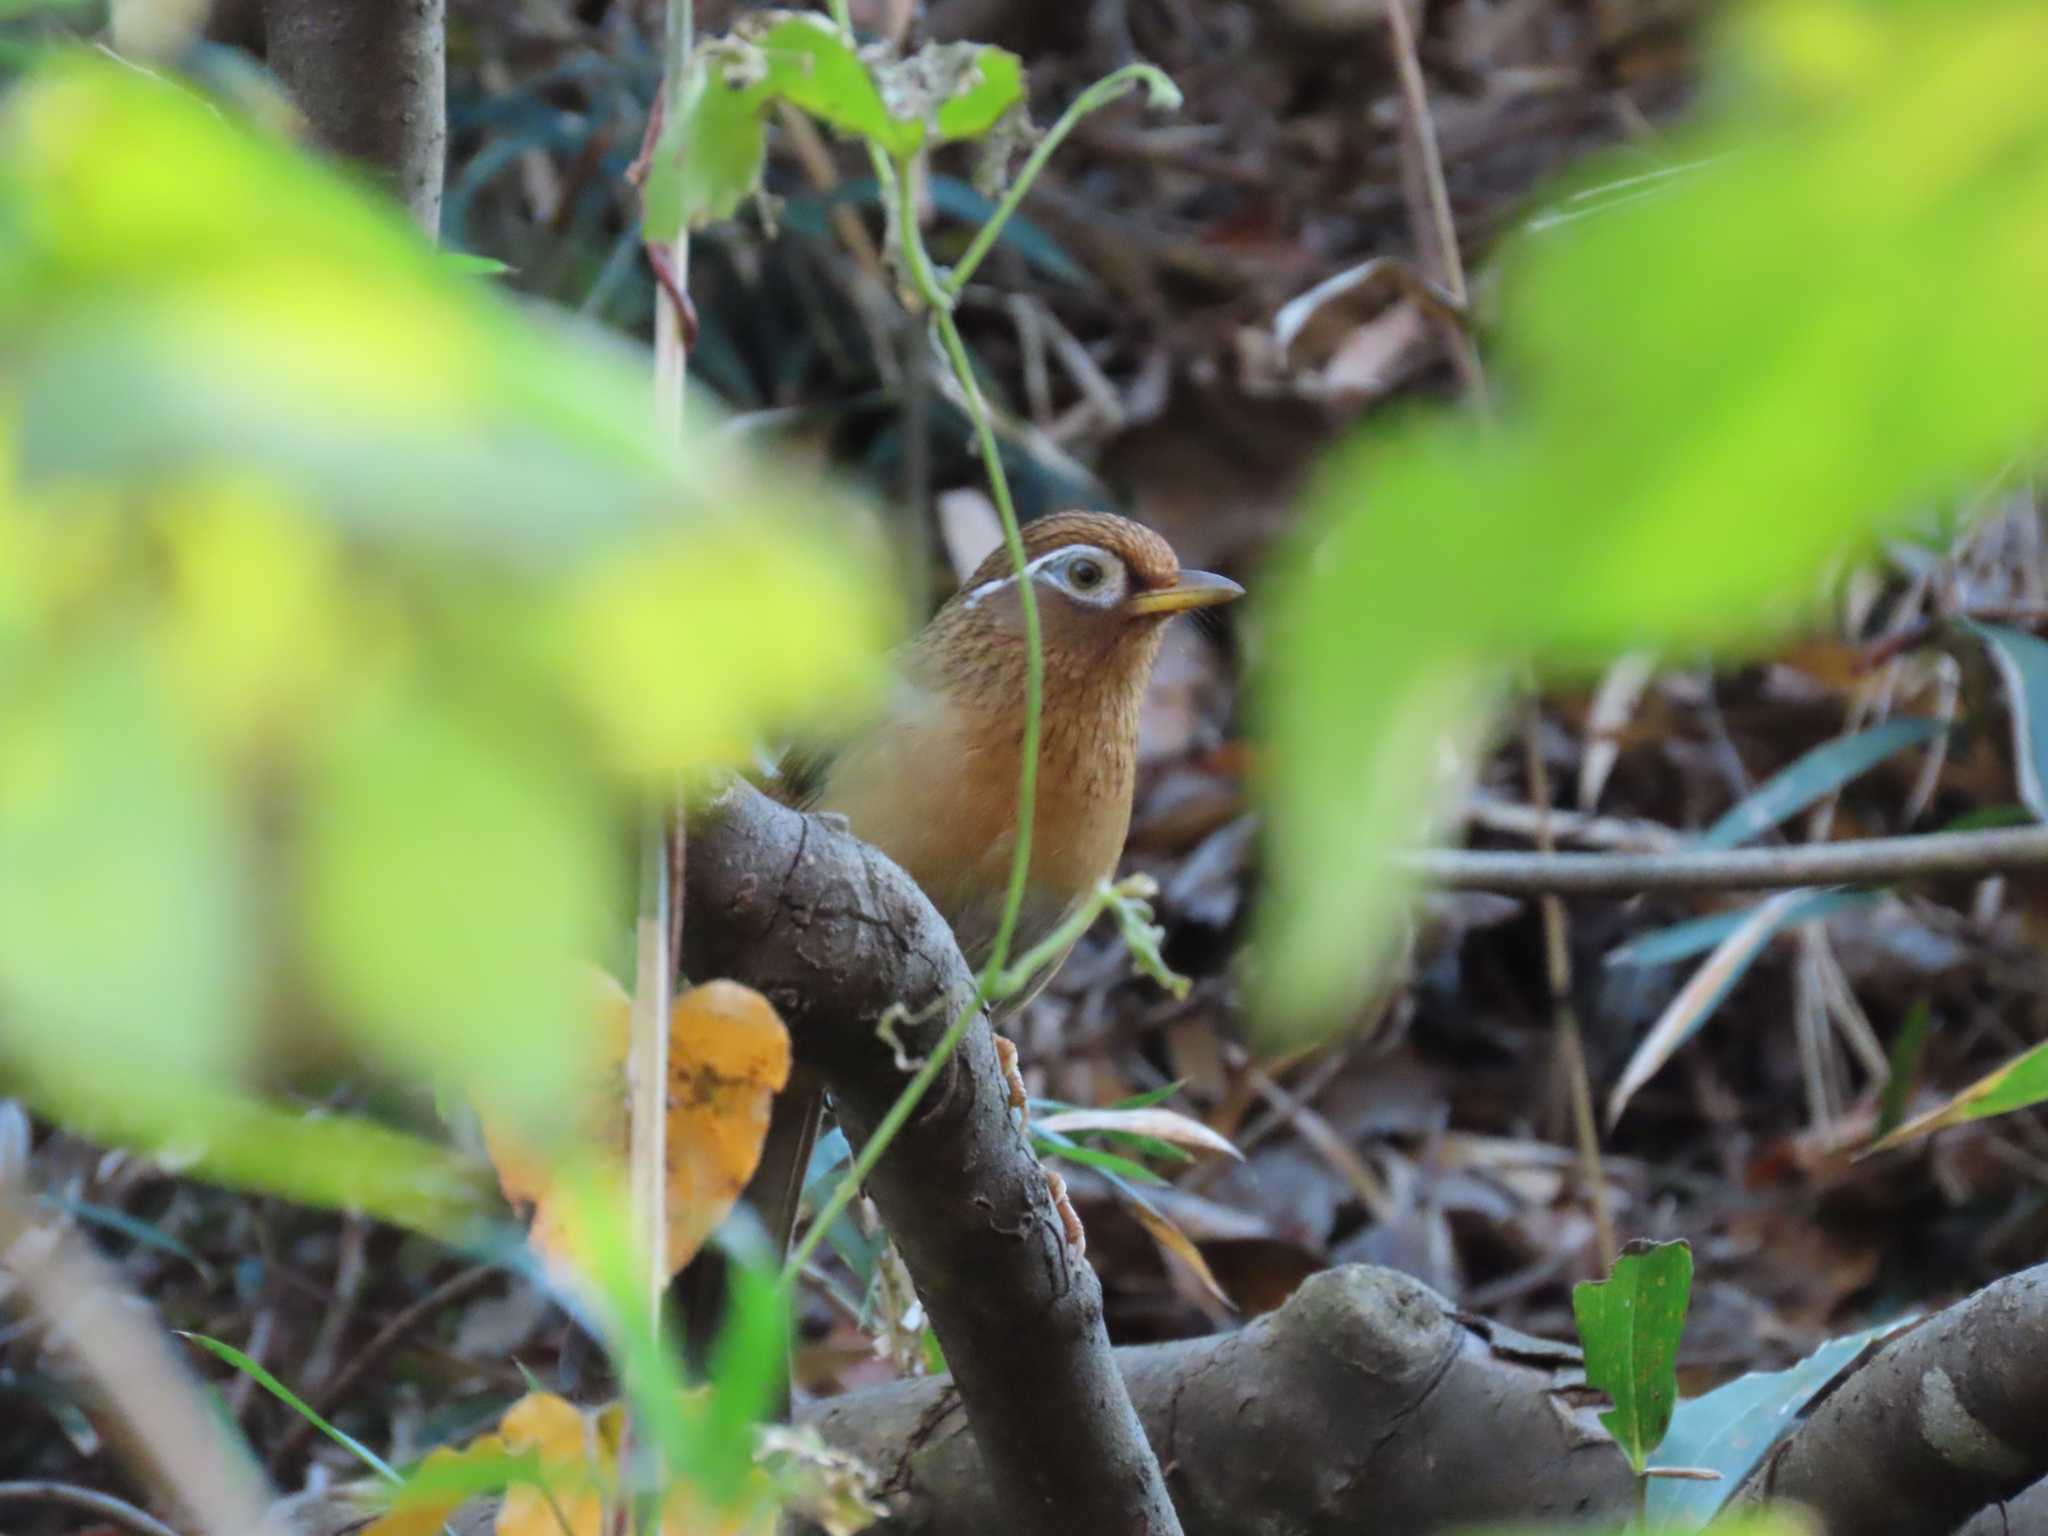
[1160, 1124]
[728, 1057]
[1180, 1246]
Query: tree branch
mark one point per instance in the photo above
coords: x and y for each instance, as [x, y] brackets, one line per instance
[839, 940]
[1947, 1417]
[1931, 856]
[371, 77]
[1366, 1403]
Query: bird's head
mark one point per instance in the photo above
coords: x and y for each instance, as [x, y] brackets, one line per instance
[1105, 587]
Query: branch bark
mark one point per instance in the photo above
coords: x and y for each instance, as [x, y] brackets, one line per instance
[1366, 1403]
[1931, 856]
[1946, 1418]
[839, 939]
[371, 77]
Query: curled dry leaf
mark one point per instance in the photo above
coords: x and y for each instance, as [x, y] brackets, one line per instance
[1160, 1124]
[728, 1057]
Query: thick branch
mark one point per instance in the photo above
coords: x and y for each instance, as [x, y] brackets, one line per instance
[371, 77]
[1949, 1416]
[1367, 1403]
[839, 938]
[1936, 855]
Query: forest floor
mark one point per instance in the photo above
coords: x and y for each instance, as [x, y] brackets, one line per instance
[1147, 335]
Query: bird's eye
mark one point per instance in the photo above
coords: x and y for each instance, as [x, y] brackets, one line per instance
[1085, 575]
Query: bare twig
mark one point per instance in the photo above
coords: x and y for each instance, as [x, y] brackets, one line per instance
[151, 1406]
[1557, 971]
[1423, 171]
[1876, 860]
[105, 1505]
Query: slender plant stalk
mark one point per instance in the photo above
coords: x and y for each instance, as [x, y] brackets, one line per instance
[653, 937]
[998, 979]
[1164, 93]
[1016, 979]
[1557, 975]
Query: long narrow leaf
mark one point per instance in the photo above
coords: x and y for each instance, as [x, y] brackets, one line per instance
[2022, 662]
[1728, 1429]
[291, 1400]
[1681, 941]
[2020, 1084]
[1699, 997]
[1815, 776]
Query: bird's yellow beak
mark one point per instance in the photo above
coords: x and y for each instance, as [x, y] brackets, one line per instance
[1195, 589]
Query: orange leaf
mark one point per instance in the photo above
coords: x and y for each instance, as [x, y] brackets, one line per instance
[573, 1461]
[728, 1057]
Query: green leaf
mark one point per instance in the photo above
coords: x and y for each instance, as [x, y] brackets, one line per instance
[1629, 1326]
[1053, 1144]
[988, 89]
[469, 264]
[291, 1400]
[1679, 461]
[710, 154]
[454, 877]
[1681, 941]
[2022, 661]
[2020, 1084]
[249, 306]
[1815, 775]
[1904, 1062]
[231, 1138]
[124, 904]
[749, 1367]
[1729, 1429]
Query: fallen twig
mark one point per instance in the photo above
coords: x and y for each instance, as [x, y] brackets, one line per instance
[1868, 861]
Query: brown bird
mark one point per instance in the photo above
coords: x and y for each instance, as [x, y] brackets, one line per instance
[933, 783]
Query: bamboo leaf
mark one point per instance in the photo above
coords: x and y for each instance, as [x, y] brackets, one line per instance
[2022, 662]
[1728, 1429]
[1814, 776]
[1681, 941]
[1701, 995]
[2020, 1084]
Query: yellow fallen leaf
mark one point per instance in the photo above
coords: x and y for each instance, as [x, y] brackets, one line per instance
[574, 1464]
[728, 1057]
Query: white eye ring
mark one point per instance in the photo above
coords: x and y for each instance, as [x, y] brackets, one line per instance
[1085, 573]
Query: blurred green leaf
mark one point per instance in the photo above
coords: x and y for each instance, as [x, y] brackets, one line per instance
[1714, 391]
[1904, 1062]
[455, 876]
[1629, 1326]
[2022, 661]
[291, 1400]
[124, 910]
[248, 307]
[1813, 776]
[749, 1368]
[1728, 1429]
[232, 1138]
